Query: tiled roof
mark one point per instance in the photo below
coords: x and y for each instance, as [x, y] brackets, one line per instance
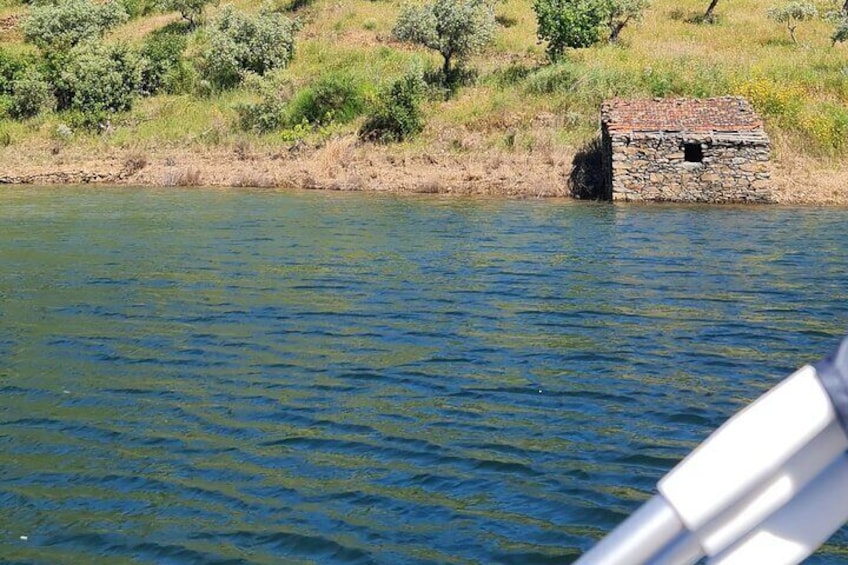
[729, 114]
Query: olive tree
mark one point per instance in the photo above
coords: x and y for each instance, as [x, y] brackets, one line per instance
[190, 10]
[616, 14]
[708, 16]
[792, 13]
[454, 28]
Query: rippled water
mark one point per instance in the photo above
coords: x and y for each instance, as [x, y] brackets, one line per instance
[200, 376]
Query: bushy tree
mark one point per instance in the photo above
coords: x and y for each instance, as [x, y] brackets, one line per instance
[565, 24]
[454, 28]
[61, 26]
[575, 24]
[792, 13]
[238, 43]
[99, 80]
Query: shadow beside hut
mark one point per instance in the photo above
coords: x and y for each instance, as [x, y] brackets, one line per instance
[586, 180]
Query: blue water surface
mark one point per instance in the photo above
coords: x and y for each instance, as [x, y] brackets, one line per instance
[222, 376]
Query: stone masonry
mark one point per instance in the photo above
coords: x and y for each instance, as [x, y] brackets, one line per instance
[683, 150]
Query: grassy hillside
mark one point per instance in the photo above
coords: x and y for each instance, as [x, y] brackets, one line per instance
[518, 101]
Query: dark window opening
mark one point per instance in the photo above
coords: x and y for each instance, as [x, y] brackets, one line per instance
[693, 153]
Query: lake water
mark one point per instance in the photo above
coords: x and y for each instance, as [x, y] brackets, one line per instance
[212, 376]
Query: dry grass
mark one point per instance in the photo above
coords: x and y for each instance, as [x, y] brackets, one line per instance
[243, 150]
[133, 163]
[182, 177]
[334, 158]
[429, 185]
[253, 180]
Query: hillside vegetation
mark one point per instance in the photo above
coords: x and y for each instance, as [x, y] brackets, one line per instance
[509, 100]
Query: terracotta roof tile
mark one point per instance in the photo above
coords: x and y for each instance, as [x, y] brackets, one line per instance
[728, 114]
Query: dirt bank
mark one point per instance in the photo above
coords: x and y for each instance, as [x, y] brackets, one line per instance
[345, 164]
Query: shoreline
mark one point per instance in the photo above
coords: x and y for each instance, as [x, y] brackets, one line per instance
[344, 164]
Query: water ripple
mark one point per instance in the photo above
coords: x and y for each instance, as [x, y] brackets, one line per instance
[193, 376]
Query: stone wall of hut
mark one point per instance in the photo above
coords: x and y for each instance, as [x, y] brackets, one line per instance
[733, 168]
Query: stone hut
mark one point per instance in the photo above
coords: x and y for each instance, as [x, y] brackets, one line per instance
[712, 150]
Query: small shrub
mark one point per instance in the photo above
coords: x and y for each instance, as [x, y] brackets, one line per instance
[63, 132]
[99, 80]
[397, 115]
[61, 26]
[330, 99]
[238, 43]
[30, 95]
[268, 114]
